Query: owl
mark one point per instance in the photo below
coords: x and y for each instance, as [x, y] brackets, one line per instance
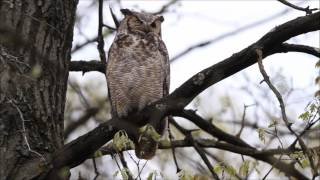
[138, 72]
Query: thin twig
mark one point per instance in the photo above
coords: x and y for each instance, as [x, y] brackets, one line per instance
[144, 165]
[79, 92]
[307, 10]
[172, 148]
[202, 155]
[100, 35]
[217, 159]
[79, 46]
[281, 144]
[125, 165]
[200, 151]
[96, 171]
[165, 7]
[242, 120]
[115, 19]
[272, 167]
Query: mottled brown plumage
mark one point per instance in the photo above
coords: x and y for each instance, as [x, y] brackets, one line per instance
[138, 71]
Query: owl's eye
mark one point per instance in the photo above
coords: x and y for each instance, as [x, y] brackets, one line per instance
[154, 25]
[137, 21]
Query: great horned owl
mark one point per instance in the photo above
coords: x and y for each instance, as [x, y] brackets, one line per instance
[138, 71]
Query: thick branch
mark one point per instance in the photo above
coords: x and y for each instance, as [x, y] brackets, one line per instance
[212, 143]
[86, 66]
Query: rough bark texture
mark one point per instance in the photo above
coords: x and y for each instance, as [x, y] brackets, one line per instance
[35, 45]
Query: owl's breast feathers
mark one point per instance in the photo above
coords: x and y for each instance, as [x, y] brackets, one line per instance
[136, 72]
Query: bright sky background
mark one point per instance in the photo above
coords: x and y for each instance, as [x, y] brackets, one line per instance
[192, 21]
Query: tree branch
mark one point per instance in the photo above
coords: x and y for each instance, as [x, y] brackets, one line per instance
[100, 35]
[307, 10]
[165, 7]
[86, 66]
[285, 47]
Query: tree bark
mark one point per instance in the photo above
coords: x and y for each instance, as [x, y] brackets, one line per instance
[35, 48]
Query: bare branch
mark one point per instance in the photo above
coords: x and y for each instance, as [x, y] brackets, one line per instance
[115, 19]
[285, 47]
[79, 46]
[100, 35]
[96, 171]
[86, 66]
[307, 10]
[172, 148]
[202, 155]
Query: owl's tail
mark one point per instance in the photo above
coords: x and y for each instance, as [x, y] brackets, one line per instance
[146, 147]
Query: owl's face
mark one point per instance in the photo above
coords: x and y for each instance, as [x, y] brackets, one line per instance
[142, 23]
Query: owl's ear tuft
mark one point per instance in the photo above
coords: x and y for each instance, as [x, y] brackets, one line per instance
[126, 12]
[160, 18]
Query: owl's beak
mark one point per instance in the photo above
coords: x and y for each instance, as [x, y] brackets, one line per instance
[147, 29]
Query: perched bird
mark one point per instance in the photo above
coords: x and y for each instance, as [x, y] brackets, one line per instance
[138, 72]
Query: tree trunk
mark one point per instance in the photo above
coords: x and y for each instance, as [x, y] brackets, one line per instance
[35, 47]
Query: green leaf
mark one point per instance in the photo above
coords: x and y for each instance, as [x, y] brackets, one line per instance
[125, 172]
[244, 168]
[297, 155]
[313, 107]
[304, 116]
[217, 168]
[97, 154]
[273, 122]
[261, 133]
[184, 175]
[150, 131]
[230, 170]
[305, 163]
[150, 176]
[121, 141]
[115, 174]
[255, 166]
[165, 142]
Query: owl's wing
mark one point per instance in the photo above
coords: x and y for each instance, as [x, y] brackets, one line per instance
[111, 59]
[166, 68]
